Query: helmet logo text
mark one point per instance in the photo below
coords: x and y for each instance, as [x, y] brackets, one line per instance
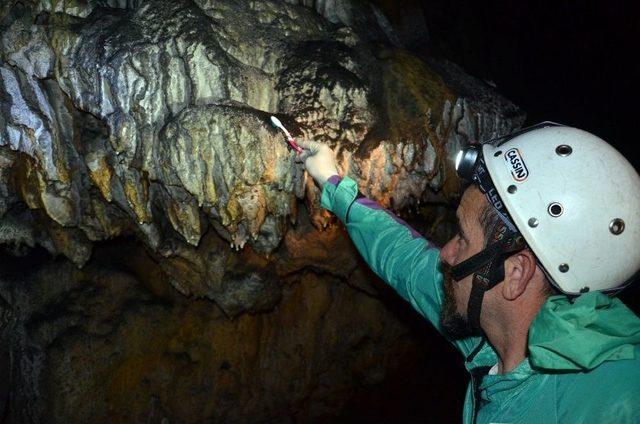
[516, 165]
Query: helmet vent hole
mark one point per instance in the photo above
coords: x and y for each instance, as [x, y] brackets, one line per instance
[555, 209]
[563, 268]
[564, 150]
[512, 189]
[616, 226]
[533, 222]
[498, 153]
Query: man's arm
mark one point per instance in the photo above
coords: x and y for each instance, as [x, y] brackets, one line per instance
[392, 249]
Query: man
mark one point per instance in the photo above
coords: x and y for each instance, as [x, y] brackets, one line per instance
[550, 223]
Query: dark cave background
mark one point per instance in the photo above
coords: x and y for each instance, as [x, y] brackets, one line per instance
[569, 62]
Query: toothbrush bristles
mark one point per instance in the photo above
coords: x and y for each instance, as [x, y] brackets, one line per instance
[276, 122]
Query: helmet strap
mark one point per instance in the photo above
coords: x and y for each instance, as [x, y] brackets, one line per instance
[488, 268]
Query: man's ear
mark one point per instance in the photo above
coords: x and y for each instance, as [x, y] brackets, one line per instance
[518, 271]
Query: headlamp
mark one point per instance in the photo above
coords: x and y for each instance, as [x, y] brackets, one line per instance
[470, 167]
[467, 158]
[466, 162]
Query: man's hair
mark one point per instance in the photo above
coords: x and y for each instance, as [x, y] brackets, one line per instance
[489, 220]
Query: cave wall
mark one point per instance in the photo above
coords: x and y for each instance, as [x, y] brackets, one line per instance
[163, 256]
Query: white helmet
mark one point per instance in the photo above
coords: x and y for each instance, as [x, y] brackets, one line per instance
[576, 201]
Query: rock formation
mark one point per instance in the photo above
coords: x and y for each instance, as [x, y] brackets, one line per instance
[144, 124]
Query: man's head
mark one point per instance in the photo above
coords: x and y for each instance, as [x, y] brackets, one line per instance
[570, 195]
[574, 200]
[524, 284]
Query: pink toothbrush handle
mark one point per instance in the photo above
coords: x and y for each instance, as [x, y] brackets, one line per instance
[294, 145]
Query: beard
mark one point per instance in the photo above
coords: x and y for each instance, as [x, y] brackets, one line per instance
[453, 324]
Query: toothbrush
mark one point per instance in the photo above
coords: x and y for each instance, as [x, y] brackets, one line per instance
[292, 142]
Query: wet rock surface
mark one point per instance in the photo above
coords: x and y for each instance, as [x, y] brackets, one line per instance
[143, 124]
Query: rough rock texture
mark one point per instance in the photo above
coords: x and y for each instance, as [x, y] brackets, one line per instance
[103, 365]
[147, 120]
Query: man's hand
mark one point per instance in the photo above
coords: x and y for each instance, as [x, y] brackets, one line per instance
[318, 160]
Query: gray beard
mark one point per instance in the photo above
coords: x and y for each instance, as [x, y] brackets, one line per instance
[453, 325]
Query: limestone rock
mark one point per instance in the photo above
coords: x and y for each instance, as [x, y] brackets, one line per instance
[149, 118]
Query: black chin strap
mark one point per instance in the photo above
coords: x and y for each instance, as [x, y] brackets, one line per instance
[488, 266]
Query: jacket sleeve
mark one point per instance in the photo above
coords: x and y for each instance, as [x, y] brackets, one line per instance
[393, 250]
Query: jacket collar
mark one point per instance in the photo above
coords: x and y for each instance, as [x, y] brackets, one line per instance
[566, 336]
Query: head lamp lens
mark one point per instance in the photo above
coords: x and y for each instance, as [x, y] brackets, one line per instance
[466, 161]
[458, 158]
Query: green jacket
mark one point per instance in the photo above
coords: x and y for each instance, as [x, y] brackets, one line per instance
[583, 364]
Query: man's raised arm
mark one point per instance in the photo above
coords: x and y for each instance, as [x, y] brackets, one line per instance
[393, 250]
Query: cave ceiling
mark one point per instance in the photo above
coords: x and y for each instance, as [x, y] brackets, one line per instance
[149, 119]
[163, 258]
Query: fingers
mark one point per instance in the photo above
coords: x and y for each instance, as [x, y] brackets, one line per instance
[301, 157]
[305, 144]
[312, 146]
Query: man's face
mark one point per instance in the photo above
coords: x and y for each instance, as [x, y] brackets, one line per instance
[467, 242]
